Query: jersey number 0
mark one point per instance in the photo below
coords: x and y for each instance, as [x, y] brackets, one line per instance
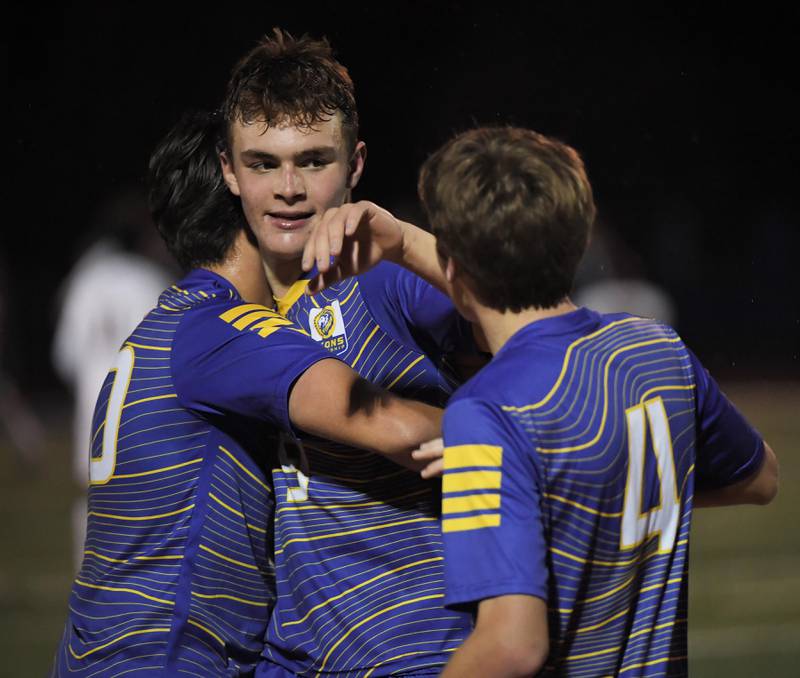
[102, 468]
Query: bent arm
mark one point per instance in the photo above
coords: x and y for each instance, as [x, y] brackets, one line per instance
[758, 488]
[332, 401]
[509, 639]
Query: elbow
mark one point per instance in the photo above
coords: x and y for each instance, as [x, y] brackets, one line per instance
[767, 488]
[523, 660]
[767, 493]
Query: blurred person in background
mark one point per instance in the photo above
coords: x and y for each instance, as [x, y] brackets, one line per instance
[105, 295]
[611, 278]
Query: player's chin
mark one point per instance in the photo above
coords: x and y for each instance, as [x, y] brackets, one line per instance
[287, 246]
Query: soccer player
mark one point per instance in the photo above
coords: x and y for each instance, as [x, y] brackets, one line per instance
[574, 459]
[358, 549]
[177, 576]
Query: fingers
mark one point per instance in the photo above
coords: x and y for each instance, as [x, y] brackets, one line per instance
[433, 470]
[432, 452]
[327, 238]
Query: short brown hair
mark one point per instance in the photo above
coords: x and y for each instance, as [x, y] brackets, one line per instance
[514, 209]
[299, 80]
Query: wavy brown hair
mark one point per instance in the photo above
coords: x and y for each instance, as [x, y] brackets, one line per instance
[295, 79]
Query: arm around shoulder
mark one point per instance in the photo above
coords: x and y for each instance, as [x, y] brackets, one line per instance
[332, 401]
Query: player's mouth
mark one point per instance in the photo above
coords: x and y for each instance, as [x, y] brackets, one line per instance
[289, 221]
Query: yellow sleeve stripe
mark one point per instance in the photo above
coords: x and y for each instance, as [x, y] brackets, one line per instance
[237, 311]
[270, 325]
[471, 480]
[250, 318]
[471, 523]
[472, 502]
[462, 456]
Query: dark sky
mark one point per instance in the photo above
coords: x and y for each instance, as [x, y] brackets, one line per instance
[687, 119]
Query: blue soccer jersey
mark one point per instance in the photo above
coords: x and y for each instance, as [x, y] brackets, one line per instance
[358, 546]
[177, 576]
[570, 465]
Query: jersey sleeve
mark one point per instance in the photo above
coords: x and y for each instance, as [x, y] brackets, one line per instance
[728, 448]
[491, 508]
[242, 360]
[423, 311]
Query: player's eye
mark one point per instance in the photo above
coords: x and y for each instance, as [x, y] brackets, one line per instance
[314, 162]
[262, 165]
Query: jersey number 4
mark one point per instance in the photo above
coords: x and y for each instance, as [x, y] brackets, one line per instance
[102, 468]
[638, 525]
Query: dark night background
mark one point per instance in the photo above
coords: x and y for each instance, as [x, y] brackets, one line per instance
[686, 117]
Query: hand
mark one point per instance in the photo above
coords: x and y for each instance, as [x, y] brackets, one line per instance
[349, 240]
[433, 453]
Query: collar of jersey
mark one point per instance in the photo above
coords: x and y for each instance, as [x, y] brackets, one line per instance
[296, 291]
[209, 282]
[566, 323]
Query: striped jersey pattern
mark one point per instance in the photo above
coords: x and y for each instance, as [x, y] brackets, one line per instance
[358, 549]
[593, 450]
[177, 576]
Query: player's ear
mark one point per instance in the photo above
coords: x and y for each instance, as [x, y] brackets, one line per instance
[228, 173]
[356, 167]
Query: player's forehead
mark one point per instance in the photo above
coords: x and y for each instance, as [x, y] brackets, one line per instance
[287, 137]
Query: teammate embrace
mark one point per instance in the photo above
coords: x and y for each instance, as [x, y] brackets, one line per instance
[240, 520]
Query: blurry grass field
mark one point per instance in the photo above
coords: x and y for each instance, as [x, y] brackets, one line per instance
[745, 561]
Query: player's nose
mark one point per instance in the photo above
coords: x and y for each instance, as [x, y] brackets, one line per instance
[289, 185]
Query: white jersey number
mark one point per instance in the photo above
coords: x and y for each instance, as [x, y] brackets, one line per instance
[637, 526]
[102, 468]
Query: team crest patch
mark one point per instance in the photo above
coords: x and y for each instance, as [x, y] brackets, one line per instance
[327, 326]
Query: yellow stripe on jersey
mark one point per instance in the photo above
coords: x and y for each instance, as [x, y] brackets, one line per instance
[364, 345]
[292, 295]
[402, 374]
[258, 603]
[151, 348]
[208, 631]
[229, 560]
[271, 325]
[250, 318]
[123, 590]
[471, 522]
[238, 311]
[462, 456]
[471, 502]
[116, 640]
[567, 356]
[369, 619]
[471, 480]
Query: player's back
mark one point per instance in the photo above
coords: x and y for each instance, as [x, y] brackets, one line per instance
[586, 425]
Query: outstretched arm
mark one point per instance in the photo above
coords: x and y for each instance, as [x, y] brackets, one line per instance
[332, 401]
[353, 238]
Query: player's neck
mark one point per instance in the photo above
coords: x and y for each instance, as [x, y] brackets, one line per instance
[282, 274]
[499, 326]
[242, 268]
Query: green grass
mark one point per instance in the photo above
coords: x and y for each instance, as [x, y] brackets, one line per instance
[744, 615]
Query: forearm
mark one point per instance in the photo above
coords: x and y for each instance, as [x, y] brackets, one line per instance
[331, 401]
[418, 254]
[510, 639]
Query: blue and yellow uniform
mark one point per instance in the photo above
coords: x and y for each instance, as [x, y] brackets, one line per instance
[570, 465]
[358, 546]
[177, 576]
